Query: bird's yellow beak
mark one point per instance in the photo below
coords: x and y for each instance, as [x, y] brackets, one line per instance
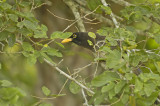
[66, 40]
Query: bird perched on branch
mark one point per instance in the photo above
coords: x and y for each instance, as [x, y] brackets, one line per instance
[90, 41]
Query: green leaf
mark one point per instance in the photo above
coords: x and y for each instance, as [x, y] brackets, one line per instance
[27, 46]
[60, 35]
[45, 56]
[30, 25]
[93, 4]
[111, 94]
[46, 91]
[99, 99]
[11, 40]
[5, 83]
[41, 32]
[149, 76]
[90, 42]
[20, 24]
[149, 88]
[157, 38]
[14, 100]
[9, 93]
[118, 87]
[51, 51]
[92, 35]
[104, 31]
[59, 44]
[129, 76]
[125, 98]
[5, 6]
[147, 101]
[136, 16]
[31, 59]
[104, 78]
[108, 87]
[106, 9]
[11, 29]
[4, 35]
[24, 4]
[56, 34]
[0, 66]
[74, 88]
[13, 17]
[114, 60]
[138, 85]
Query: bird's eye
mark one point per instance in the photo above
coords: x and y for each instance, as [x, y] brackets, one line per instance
[74, 35]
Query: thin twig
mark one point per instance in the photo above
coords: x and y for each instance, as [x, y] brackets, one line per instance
[63, 87]
[48, 98]
[80, 69]
[118, 99]
[93, 23]
[39, 5]
[59, 16]
[84, 96]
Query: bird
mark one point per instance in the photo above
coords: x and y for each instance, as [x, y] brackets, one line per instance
[83, 39]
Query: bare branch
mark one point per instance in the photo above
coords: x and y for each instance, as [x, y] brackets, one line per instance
[59, 16]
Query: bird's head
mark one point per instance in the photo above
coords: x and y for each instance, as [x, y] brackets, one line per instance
[81, 39]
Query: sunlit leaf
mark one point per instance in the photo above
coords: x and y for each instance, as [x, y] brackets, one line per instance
[104, 78]
[90, 42]
[46, 91]
[4, 35]
[27, 46]
[92, 35]
[149, 88]
[107, 9]
[51, 51]
[74, 88]
[138, 85]
[119, 86]
[5, 83]
[108, 87]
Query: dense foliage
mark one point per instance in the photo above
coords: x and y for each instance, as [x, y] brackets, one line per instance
[132, 72]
